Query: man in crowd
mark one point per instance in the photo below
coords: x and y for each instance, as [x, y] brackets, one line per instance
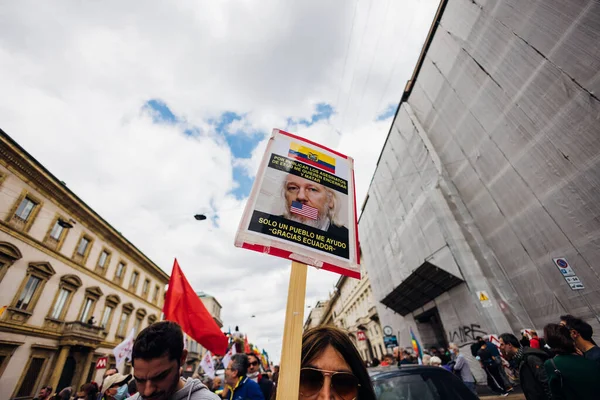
[461, 367]
[534, 342]
[388, 360]
[490, 365]
[157, 357]
[314, 195]
[582, 332]
[529, 363]
[239, 386]
[44, 393]
[265, 384]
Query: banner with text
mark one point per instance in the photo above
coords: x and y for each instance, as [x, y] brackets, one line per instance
[302, 206]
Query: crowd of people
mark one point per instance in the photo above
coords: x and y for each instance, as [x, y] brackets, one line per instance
[563, 364]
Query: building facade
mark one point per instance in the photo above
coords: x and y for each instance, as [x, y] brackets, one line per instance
[489, 178]
[195, 350]
[315, 315]
[351, 307]
[72, 286]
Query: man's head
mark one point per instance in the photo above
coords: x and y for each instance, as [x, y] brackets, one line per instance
[509, 345]
[217, 383]
[311, 194]
[237, 368]
[533, 333]
[453, 347]
[253, 363]
[396, 351]
[581, 332]
[45, 392]
[480, 339]
[276, 369]
[157, 356]
[388, 358]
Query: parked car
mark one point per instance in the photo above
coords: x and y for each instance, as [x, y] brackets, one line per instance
[417, 382]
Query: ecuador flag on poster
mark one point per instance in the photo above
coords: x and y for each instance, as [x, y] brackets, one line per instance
[312, 157]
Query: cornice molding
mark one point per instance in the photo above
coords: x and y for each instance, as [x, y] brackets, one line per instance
[19, 162]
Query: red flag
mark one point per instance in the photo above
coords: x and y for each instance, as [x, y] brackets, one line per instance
[183, 306]
[246, 345]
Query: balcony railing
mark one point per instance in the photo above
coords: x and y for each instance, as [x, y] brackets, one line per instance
[78, 328]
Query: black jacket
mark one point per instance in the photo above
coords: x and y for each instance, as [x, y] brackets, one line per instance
[532, 374]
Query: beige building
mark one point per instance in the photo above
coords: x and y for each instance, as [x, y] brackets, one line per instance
[351, 307]
[195, 350]
[61, 265]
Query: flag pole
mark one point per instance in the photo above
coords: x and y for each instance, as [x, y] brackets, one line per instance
[288, 386]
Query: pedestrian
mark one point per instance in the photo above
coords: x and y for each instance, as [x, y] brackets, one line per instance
[88, 391]
[570, 376]
[529, 363]
[157, 357]
[525, 342]
[462, 368]
[239, 386]
[331, 367]
[376, 362]
[492, 370]
[112, 387]
[388, 360]
[217, 386]
[426, 359]
[477, 345]
[265, 384]
[45, 393]
[581, 332]
[436, 361]
[534, 342]
[445, 355]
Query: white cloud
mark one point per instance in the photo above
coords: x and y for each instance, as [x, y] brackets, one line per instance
[75, 75]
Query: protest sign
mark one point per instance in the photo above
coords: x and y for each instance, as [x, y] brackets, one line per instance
[302, 206]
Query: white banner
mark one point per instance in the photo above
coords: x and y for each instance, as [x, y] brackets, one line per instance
[207, 365]
[124, 349]
[228, 356]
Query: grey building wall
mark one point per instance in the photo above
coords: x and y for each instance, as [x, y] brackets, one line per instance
[492, 168]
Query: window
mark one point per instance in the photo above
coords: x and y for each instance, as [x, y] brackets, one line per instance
[83, 245]
[28, 385]
[137, 326]
[24, 211]
[56, 231]
[27, 292]
[25, 208]
[106, 316]
[8, 255]
[86, 309]
[134, 280]
[63, 295]
[122, 324]
[120, 273]
[156, 293]
[92, 294]
[103, 261]
[82, 250]
[145, 287]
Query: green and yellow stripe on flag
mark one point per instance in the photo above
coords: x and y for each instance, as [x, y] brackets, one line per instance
[312, 157]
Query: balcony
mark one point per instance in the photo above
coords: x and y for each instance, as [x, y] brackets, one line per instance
[218, 321]
[80, 333]
[372, 315]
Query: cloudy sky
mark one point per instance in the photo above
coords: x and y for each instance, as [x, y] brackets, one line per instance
[153, 111]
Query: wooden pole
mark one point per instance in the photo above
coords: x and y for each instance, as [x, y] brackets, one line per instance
[289, 373]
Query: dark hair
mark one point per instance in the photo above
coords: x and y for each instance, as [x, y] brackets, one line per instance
[559, 339]
[479, 338]
[583, 328]
[566, 318]
[157, 340]
[132, 387]
[47, 388]
[240, 364]
[316, 340]
[509, 338]
[253, 355]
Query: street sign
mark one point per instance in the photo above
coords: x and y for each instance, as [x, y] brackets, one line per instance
[390, 341]
[563, 266]
[101, 363]
[568, 273]
[484, 298]
[361, 335]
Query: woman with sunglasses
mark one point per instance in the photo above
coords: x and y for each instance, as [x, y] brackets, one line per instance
[331, 367]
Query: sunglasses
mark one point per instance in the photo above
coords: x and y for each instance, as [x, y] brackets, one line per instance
[252, 364]
[344, 384]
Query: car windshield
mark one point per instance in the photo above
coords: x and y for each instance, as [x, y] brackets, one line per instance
[406, 387]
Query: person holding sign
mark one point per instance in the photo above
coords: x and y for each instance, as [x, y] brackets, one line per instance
[312, 204]
[331, 367]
